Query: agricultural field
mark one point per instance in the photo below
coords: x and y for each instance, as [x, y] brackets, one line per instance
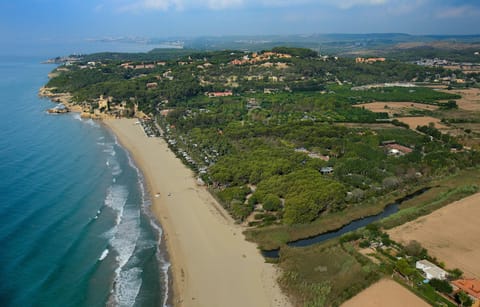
[414, 121]
[392, 108]
[330, 273]
[470, 100]
[386, 292]
[450, 234]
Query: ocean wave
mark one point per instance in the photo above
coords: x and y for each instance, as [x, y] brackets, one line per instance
[125, 243]
[145, 208]
[104, 254]
[127, 287]
[91, 122]
[111, 162]
[77, 116]
[125, 239]
[116, 198]
[109, 149]
[88, 121]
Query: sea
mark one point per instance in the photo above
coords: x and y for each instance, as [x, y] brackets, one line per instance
[75, 221]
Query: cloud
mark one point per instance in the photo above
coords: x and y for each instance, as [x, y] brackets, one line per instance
[458, 12]
[223, 4]
[146, 5]
[165, 5]
[347, 4]
[403, 7]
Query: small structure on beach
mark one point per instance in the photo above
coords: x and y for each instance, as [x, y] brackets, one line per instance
[431, 270]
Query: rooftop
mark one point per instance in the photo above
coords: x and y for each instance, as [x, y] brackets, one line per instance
[471, 286]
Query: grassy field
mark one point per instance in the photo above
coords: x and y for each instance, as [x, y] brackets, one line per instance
[325, 274]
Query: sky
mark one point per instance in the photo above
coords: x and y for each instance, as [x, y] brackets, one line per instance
[27, 20]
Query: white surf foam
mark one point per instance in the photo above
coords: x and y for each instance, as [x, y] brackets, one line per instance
[116, 199]
[128, 286]
[89, 121]
[146, 203]
[128, 280]
[77, 116]
[112, 162]
[108, 148]
[125, 239]
[104, 254]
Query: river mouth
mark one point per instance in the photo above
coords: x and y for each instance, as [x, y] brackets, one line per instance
[353, 225]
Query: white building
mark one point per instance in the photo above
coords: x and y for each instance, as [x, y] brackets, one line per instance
[431, 270]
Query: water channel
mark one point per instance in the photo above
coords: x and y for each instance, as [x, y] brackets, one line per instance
[353, 225]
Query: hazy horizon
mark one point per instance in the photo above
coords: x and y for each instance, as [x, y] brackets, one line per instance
[55, 20]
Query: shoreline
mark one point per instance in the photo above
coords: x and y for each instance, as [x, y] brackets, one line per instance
[211, 262]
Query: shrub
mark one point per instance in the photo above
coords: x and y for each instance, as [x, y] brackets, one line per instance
[456, 273]
[272, 203]
[352, 236]
[463, 299]
[239, 210]
[413, 248]
[441, 285]
[364, 244]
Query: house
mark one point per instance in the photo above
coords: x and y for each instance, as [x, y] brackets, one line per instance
[326, 170]
[144, 66]
[219, 94]
[152, 85]
[431, 270]
[369, 60]
[127, 65]
[397, 150]
[469, 286]
[238, 62]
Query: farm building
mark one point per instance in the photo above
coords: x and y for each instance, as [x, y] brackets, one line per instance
[431, 270]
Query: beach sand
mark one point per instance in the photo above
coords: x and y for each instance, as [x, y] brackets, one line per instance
[212, 263]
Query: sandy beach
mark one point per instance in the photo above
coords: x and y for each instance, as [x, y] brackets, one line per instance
[212, 263]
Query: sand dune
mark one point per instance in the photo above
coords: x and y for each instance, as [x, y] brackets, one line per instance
[212, 264]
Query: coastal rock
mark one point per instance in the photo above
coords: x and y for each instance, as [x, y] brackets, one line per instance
[59, 109]
[64, 99]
